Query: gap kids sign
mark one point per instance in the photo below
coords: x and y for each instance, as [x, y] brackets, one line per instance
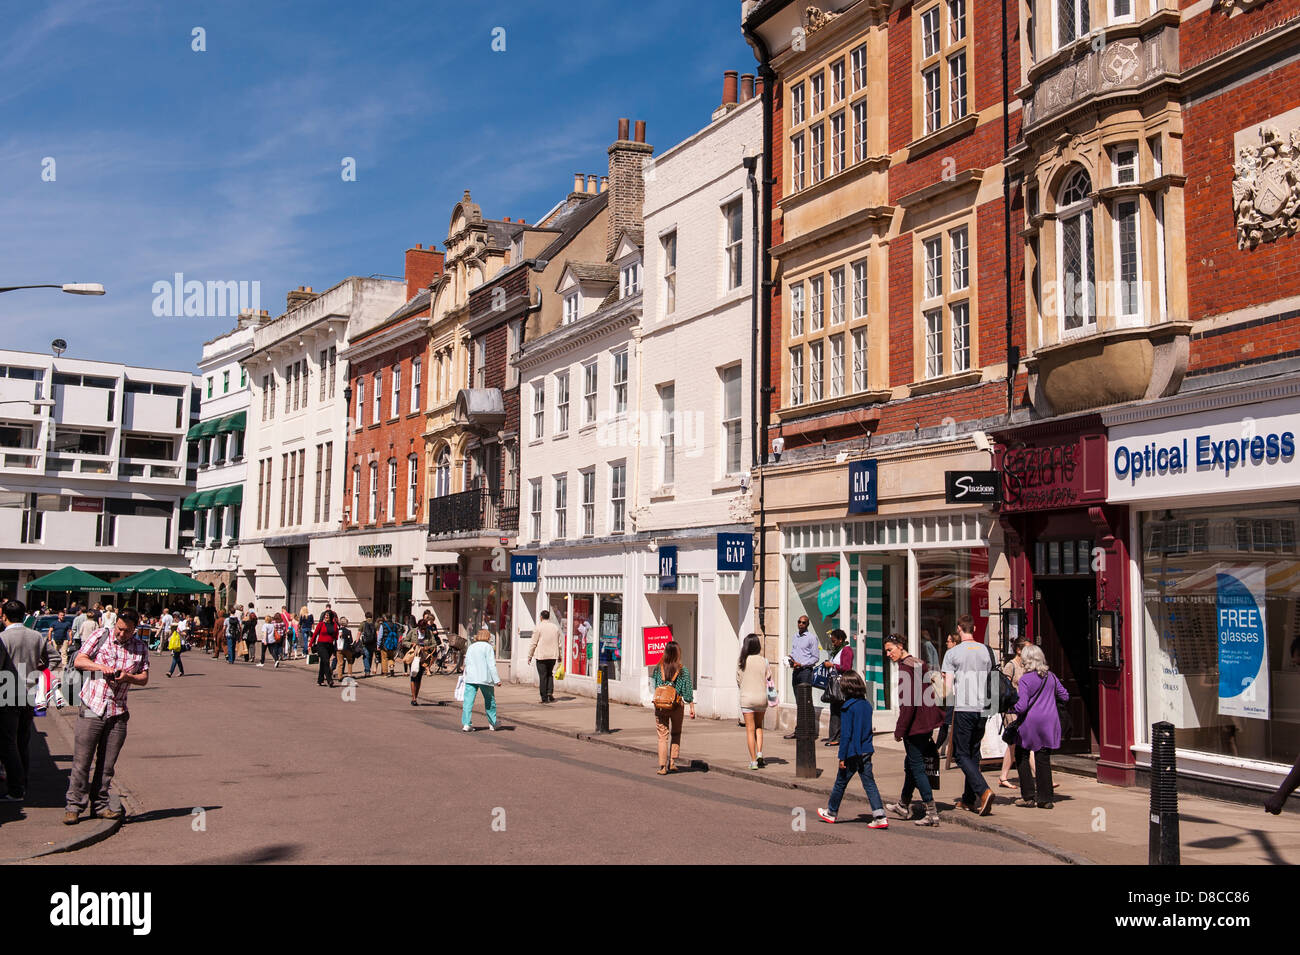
[1226, 450]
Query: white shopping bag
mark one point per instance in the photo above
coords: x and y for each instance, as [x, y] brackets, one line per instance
[460, 688]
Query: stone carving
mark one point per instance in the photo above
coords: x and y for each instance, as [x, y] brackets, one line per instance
[1233, 5]
[1120, 62]
[816, 18]
[1266, 188]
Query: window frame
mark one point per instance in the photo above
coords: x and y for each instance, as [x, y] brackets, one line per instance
[561, 403]
[590, 390]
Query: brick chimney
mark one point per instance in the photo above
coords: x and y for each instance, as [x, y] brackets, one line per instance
[422, 267]
[299, 296]
[626, 183]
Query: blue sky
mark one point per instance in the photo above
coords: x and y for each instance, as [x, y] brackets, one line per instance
[225, 165]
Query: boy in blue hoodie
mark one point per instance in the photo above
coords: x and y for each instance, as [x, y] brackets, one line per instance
[855, 751]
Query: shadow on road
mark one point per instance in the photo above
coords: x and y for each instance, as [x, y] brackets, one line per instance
[154, 815]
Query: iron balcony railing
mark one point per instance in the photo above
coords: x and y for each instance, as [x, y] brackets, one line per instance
[475, 511]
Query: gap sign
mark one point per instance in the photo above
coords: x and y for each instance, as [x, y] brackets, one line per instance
[523, 569]
[668, 568]
[862, 486]
[736, 552]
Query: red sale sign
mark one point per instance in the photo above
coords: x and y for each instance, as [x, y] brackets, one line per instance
[656, 638]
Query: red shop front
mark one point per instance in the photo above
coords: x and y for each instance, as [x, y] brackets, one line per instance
[1068, 551]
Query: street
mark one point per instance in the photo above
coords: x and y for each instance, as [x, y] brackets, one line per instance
[239, 764]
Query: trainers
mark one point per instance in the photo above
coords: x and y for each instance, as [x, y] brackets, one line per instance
[261, 664]
[762, 763]
[493, 727]
[825, 816]
[10, 797]
[1026, 803]
[878, 822]
[986, 803]
[753, 764]
[467, 728]
[931, 818]
[899, 810]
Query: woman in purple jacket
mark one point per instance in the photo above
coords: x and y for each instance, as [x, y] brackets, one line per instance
[1039, 729]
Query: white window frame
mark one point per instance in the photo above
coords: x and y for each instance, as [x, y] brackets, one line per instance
[837, 366]
[539, 409]
[397, 392]
[390, 502]
[837, 82]
[733, 237]
[860, 131]
[817, 93]
[837, 296]
[816, 356]
[374, 491]
[796, 162]
[361, 401]
[1082, 22]
[618, 497]
[817, 141]
[816, 304]
[560, 525]
[590, 386]
[1078, 214]
[618, 384]
[732, 437]
[797, 105]
[667, 434]
[669, 245]
[412, 485]
[839, 157]
[933, 319]
[860, 279]
[356, 494]
[561, 402]
[796, 309]
[535, 507]
[571, 307]
[860, 372]
[796, 376]
[1123, 316]
[588, 478]
[379, 396]
[858, 67]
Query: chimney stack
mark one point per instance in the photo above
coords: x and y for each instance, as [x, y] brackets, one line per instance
[422, 267]
[626, 183]
[729, 88]
[746, 87]
[298, 296]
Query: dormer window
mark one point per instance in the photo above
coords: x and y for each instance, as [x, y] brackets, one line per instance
[570, 308]
[630, 279]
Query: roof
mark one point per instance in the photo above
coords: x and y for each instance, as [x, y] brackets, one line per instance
[502, 232]
[593, 271]
[571, 223]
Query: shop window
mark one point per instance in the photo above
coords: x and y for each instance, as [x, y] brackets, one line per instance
[582, 637]
[611, 634]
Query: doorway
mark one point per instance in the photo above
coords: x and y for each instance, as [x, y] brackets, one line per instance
[1061, 609]
[681, 614]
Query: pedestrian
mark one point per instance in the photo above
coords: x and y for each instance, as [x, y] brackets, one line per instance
[109, 618]
[1038, 730]
[59, 631]
[672, 690]
[323, 638]
[306, 629]
[545, 647]
[804, 655]
[751, 676]
[347, 649]
[420, 658]
[944, 742]
[966, 669]
[388, 644]
[919, 715]
[122, 660]
[174, 645]
[248, 631]
[369, 642]
[856, 750]
[234, 627]
[841, 659]
[24, 658]
[480, 677]
[1014, 670]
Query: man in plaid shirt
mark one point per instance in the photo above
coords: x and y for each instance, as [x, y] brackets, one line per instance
[115, 660]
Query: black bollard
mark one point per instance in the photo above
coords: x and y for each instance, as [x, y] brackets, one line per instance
[602, 698]
[805, 732]
[1163, 846]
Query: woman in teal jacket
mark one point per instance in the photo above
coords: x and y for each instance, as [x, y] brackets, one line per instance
[480, 677]
[855, 752]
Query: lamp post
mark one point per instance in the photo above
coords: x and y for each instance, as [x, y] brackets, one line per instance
[72, 288]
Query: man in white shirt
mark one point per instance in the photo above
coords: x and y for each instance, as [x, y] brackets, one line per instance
[966, 669]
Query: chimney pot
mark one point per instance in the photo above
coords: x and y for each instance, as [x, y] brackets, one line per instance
[758, 86]
[640, 131]
[746, 87]
[729, 87]
[591, 184]
[604, 183]
[622, 129]
[578, 179]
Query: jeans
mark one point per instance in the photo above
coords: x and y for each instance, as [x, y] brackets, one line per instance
[546, 679]
[861, 766]
[1028, 780]
[489, 702]
[230, 649]
[98, 740]
[366, 654]
[668, 725]
[325, 663]
[914, 749]
[176, 663]
[15, 740]
[968, 733]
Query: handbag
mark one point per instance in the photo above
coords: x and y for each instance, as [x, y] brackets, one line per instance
[241, 648]
[931, 757]
[833, 692]
[338, 644]
[1006, 690]
[460, 689]
[771, 691]
[819, 677]
[665, 697]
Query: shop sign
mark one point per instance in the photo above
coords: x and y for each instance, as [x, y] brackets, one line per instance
[1227, 450]
[736, 552]
[862, 486]
[972, 487]
[523, 569]
[374, 550]
[88, 505]
[1243, 643]
[656, 638]
[1053, 476]
[668, 568]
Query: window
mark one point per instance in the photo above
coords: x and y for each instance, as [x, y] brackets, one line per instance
[570, 308]
[395, 406]
[293, 481]
[320, 454]
[837, 365]
[731, 422]
[329, 475]
[960, 259]
[837, 296]
[374, 492]
[796, 105]
[442, 474]
[266, 394]
[796, 310]
[860, 289]
[860, 130]
[210, 380]
[620, 382]
[932, 105]
[480, 363]
[818, 136]
[669, 243]
[732, 213]
[539, 409]
[934, 343]
[816, 317]
[933, 267]
[1123, 161]
[562, 403]
[412, 486]
[590, 379]
[667, 434]
[859, 359]
[630, 279]
[961, 337]
[589, 503]
[818, 85]
[815, 371]
[417, 373]
[837, 81]
[561, 506]
[535, 508]
[302, 481]
[390, 504]
[930, 32]
[334, 361]
[957, 86]
[956, 20]
[796, 376]
[858, 64]
[379, 398]
[946, 304]
[1075, 253]
[1071, 21]
[514, 344]
[796, 162]
[1126, 257]
[284, 484]
[1121, 11]
[617, 498]
[837, 142]
[225, 382]
[942, 62]
[324, 363]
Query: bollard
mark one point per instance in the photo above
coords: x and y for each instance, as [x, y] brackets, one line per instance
[805, 729]
[1163, 842]
[602, 698]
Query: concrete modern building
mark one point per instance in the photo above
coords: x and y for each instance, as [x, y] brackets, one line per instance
[290, 553]
[217, 450]
[96, 480]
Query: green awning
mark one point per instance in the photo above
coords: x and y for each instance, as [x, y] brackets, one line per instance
[191, 502]
[235, 422]
[127, 583]
[224, 496]
[162, 581]
[195, 432]
[69, 579]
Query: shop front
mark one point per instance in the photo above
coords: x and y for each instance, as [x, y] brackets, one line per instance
[1068, 554]
[1214, 486]
[382, 572]
[487, 600]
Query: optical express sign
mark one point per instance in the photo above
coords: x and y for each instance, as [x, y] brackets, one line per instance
[1225, 450]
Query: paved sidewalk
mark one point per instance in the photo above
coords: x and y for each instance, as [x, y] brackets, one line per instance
[1091, 822]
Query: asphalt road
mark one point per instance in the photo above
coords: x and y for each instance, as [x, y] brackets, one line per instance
[235, 764]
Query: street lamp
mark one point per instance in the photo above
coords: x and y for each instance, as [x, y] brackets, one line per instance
[72, 288]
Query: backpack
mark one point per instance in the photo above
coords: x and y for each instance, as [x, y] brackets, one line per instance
[368, 634]
[1006, 690]
[390, 637]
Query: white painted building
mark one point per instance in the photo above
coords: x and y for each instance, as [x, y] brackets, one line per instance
[218, 440]
[290, 553]
[96, 481]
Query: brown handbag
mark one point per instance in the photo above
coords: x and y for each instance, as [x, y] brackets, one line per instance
[665, 694]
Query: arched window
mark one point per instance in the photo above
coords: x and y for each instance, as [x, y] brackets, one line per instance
[221, 596]
[1077, 275]
[442, 474]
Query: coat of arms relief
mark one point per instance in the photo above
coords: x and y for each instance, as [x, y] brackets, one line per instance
[1266, 188]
